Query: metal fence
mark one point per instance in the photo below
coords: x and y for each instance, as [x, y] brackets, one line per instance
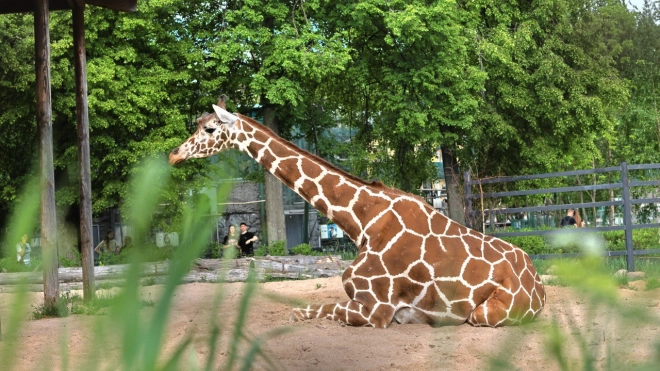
[625, 200]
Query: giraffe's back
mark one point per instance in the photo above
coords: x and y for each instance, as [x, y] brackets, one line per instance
[431, 269]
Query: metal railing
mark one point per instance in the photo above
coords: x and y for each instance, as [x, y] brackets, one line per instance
[626, 201]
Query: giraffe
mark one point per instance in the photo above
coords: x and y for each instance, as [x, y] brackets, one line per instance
[414, 265]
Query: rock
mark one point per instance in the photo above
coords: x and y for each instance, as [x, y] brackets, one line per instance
[636, 275]
[621, 273]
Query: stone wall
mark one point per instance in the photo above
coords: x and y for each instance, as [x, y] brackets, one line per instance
[242, 206]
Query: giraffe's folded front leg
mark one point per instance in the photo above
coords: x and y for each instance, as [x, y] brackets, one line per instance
[351, 313]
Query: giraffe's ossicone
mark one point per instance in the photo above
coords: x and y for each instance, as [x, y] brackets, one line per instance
[414, 265]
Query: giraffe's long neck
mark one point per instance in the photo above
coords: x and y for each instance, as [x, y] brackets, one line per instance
[329, 189]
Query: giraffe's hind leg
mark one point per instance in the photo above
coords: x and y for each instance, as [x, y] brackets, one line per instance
[495, 311]
[351, 313]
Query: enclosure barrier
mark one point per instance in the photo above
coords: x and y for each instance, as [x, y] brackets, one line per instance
[626, 201]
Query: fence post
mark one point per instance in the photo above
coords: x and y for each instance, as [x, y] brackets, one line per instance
[468, 199]
[627, 217]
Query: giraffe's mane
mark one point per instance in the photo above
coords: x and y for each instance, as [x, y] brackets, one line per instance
[374, 183]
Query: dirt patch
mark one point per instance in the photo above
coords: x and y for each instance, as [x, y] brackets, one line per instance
[327, 345]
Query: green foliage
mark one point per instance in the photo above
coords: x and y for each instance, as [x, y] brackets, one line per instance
[349, 255]
[552, 81]
[261, 251]
[214, 251]
[10, 265]
[622, 280]
[652, 283]
[149, 281]
[611, 241]
[75, 262]
[149, 253]
[61, 309]
[530, 244]
[302, 249]
[275, 248]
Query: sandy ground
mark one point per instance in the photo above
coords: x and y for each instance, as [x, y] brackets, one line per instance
[60, 343]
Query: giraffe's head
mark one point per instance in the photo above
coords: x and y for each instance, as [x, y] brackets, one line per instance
[213, 136]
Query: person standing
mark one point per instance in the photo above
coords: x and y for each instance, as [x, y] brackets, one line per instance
[578, 220]
[230, 242]
[23, 250]
[246, 241]
[108, 245]
[568, 220]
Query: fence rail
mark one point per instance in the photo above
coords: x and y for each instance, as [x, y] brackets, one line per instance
[626, 201]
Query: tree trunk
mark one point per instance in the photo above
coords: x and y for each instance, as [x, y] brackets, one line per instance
[455, 207]
[45, 124]
[609, 158]
[82, 122]
[275, 224]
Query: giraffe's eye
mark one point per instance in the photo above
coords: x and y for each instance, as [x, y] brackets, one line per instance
[209, 130]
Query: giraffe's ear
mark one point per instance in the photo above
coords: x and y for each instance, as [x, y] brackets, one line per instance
[224, 116]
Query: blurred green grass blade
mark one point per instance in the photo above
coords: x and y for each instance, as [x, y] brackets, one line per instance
[554, 345]
[142, 201]
[145, 191]
[215, 326]
[197, 229]
[243, 308]
[213, 344]
[11, 330]
[64, 350]
[173, 364]
[24, 217]
[256, 348]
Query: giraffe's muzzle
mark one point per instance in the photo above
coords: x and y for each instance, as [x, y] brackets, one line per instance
[176, 156]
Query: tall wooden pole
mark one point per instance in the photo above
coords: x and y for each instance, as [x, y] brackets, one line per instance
[45, 123]
[276, 225]
[82, 121]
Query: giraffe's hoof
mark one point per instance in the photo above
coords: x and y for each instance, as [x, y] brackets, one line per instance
[296, 315]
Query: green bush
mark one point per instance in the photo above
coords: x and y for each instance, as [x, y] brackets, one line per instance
[10, 265]
[147, 253]
[615, 240]
[652, 283]
[530, 244]
[302, 249]
[277, 248]
[75, 262]
[61, 308]
[213, 251]
[261, 251]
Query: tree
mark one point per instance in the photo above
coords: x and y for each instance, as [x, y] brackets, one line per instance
[410, 87]
[141, 97]
[552, 87]
[270, 53]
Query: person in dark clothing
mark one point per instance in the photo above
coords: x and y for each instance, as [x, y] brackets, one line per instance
[246, 241]
[568, 220]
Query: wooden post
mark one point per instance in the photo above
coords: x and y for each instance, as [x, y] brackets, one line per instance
[468, 199]
[82, 121]
[45, 123]
[627, 217]
[273, 187]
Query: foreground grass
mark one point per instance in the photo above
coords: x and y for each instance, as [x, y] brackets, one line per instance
[141, 338]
